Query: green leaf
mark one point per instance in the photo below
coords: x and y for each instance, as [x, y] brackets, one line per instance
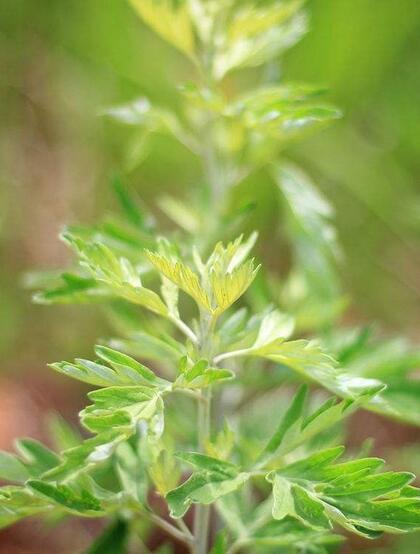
[202, 488]
[131, 209]
[201, 375]
[170, 20]
[83, 458]
[124, 364]
[117, 273]
[321, 492]
[308, 359]
[12, 469]
[19, 502]
[296, 428]
[74, 289]
[37, 457]
[113, 540]
[82, 504]
[63, 434]
[220, 544]
[124, 407]
[207, 463]
[124, 370]
[131, 472]
[312, 293]
[288, 425]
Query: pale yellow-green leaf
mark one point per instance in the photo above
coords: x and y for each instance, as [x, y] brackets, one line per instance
[250, 20]
[228, 287]
[182, 276]
[171, 22]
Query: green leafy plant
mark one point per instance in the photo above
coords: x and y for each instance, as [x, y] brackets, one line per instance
[208, 422]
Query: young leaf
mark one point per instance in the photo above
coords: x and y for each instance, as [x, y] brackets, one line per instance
[170, 20]
[117, 273]
[182, 276]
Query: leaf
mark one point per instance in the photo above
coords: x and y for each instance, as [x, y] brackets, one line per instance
[288, 424]
[394, 361]
[131, 472]
[202, 488]
[117, 273]
[164, 472]
[180, 213]
[170, 20]
[161, 347]
[124, 407]
[283, 501]
[313, 283]
[131, 209]
[83, 458]
[19, 502]
[124, 370]
[350, 494]
[125, 364]
[296, 428]
[258, 34]
[63, 434]
[73, 290]
[208, 463]
[12, 469]
[38, 457]
[308, 359]
[151, 119]
[201, 375]
[220, 544]
[228, 287]
[83, 504]
[113, 540]
[182, 276]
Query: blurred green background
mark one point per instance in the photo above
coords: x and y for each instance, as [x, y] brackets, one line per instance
[61, 61]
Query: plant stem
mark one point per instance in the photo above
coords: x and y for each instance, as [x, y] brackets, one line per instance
[170, 529]
[202, 512]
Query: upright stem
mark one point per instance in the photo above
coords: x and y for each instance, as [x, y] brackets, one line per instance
[202, 512]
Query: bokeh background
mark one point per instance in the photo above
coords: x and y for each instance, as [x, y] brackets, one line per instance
[61, 61]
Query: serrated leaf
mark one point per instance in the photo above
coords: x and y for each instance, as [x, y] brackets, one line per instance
[228, 287]
[182, 276]
[350, 494]
[124, 370]
[117, 273]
